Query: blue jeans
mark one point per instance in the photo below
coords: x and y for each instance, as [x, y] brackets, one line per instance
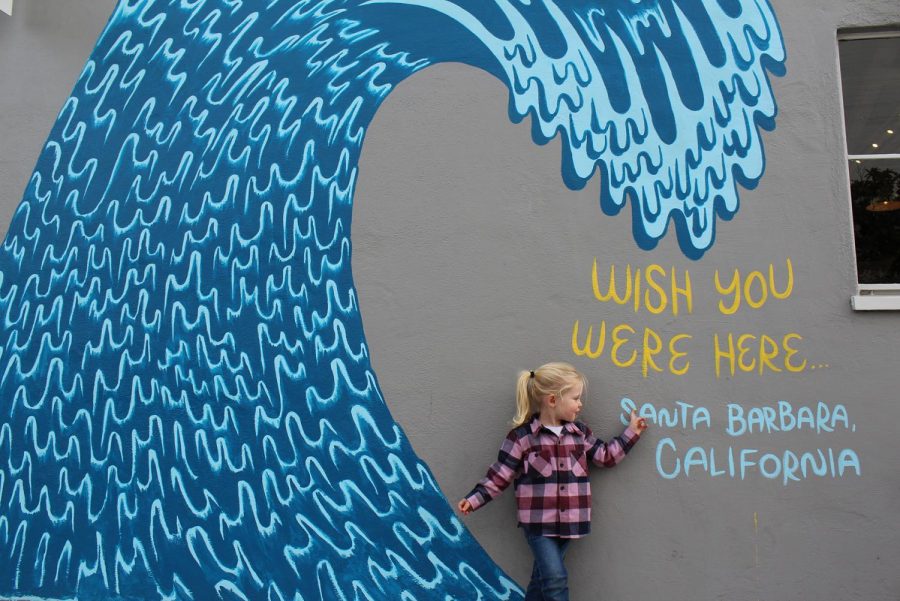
[549, 579]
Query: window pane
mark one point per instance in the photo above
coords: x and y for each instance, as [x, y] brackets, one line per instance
[875, 193]
[870, 77]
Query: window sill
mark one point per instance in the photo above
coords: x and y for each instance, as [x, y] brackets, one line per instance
[876, 297]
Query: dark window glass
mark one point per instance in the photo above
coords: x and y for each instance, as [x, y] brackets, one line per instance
[870, 78]
[876, 220]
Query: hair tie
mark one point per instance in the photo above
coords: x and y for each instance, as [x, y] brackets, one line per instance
[532, 374]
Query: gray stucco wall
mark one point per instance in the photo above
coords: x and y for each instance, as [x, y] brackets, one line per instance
[473, 260]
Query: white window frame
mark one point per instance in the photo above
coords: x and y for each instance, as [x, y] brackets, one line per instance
[868, 297]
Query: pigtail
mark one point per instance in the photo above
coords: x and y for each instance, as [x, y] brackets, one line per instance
[523, 399]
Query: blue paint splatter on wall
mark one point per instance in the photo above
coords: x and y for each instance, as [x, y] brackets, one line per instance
[188, 407]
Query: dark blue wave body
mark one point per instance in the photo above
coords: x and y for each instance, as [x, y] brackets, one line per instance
[188, 406]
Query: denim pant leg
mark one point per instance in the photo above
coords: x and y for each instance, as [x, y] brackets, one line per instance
[549, 579]
[533, 593]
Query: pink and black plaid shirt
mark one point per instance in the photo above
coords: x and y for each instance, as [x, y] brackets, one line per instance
[550, 473]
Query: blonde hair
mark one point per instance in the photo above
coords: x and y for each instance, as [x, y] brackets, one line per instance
[550, 378]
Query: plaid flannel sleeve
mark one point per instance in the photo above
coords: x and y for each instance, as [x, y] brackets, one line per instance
[500, 474]
[608, 454]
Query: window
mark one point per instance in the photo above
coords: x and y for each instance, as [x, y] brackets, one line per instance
[870, 83]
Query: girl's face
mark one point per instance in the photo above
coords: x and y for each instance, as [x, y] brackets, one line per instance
[568, 406]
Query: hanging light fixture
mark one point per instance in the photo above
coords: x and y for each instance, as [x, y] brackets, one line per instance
[879, 206]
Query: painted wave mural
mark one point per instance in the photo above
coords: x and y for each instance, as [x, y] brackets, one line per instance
[187, 405]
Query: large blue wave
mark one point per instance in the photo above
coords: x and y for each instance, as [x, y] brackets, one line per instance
[188, 406]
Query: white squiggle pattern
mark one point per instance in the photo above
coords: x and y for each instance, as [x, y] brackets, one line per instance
[190, 412]
[188, 408]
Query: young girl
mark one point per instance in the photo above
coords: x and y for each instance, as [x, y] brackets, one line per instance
[546, 455]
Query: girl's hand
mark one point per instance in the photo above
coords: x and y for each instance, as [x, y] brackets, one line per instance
[638, 424]
[465, 507]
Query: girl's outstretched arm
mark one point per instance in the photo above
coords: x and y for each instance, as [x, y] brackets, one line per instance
[499, 475]
[608, 454]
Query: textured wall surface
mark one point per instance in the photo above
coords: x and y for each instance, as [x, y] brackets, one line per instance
[472, 259]
[489, 270]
